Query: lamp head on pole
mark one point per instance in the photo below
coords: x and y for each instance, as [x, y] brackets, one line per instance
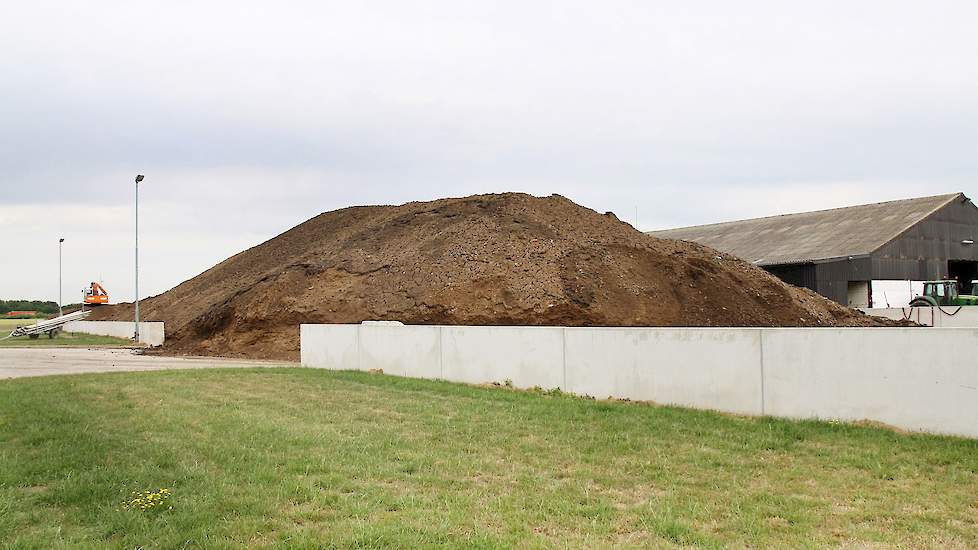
[61, 240]
[139, 178]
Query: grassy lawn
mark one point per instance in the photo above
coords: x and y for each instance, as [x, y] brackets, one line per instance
[300, 457]
[61, 339]
[7, 325]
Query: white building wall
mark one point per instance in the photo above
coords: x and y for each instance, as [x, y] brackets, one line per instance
[887, 294]
[940, 317]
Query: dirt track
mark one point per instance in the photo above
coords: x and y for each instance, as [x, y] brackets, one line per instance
[481, 260]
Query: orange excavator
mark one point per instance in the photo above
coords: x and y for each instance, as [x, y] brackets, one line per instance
[96, 295]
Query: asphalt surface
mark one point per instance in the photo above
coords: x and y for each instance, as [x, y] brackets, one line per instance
[20, 362]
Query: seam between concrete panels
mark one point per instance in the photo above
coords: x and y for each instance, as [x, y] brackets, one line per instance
[760, 341]
[441, 354]
[359, 358]
[563, 355]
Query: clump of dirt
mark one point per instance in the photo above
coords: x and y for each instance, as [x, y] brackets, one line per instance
[508, 259]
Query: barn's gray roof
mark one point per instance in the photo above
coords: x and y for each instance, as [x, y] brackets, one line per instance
[814, 236]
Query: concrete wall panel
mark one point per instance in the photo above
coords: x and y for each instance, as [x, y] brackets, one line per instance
[695, 367]
[912, 378]
[402, 350]
[151, 334]
[334, 347]
[529, 356]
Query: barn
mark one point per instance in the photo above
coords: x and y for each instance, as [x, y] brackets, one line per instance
[846, 253]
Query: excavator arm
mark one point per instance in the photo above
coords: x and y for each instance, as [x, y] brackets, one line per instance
[96, 295]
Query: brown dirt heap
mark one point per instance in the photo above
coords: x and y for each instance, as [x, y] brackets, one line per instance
[509, 259]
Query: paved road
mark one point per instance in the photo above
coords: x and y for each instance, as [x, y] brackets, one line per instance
[18, 362]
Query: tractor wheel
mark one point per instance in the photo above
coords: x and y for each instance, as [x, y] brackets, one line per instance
[921, 302]
[33, 336]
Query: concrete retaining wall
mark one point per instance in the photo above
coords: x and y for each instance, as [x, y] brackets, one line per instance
[151, 334]
[911, 378]
[703, 368]
[946, 316]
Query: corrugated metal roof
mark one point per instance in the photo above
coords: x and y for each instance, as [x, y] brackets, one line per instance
[814, 236]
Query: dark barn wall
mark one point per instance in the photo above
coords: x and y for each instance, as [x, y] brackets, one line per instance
[922, 252]
[830, 279]
[833, 277]
[802, 275]
[919, 254]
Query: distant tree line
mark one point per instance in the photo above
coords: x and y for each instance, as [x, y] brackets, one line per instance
[27, 305]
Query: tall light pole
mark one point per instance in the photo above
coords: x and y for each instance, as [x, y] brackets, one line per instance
[60, 243]
[135, 337]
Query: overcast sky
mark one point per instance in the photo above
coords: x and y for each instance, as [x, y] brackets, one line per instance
[249, 117]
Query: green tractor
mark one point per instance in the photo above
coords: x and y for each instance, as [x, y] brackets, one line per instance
[943, 293]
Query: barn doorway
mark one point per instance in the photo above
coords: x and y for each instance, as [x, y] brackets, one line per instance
[860, 294]
[964, 271]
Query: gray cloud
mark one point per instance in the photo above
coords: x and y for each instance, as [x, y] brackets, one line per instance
[248, 118]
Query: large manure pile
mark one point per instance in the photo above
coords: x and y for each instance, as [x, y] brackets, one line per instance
[509, 259]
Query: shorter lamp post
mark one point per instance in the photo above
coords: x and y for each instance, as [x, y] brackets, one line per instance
[60, 243]
[135, 337]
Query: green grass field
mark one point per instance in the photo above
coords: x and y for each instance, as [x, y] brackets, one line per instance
[60, 340]
[301, 458]
[7, 325]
